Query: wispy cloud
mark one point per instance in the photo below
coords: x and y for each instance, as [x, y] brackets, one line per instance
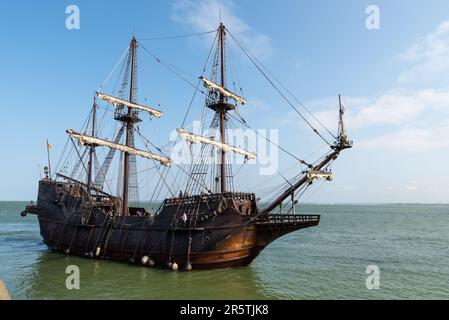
[411, 140]
[427, 57]
[397, 107]
[407, 118]
[205, 16]
[412, 120]
[434, 189]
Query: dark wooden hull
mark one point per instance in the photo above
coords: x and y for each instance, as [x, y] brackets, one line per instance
[224, 234]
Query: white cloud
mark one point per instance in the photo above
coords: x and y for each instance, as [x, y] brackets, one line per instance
[434, 189]
[397, 107]
[348, 187]
[428, 57]
[413, 140]
[404, 119]
[412, 120]
[205, 16]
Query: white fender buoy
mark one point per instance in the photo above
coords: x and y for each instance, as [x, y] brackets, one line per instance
[67, 251]
[145, 260]
[91, 254]
[151, 262]
[97, 251]
[174, 266]
[188, 266]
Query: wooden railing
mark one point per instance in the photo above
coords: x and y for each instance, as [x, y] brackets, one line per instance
[287, 218]
[32, 209]
[208, 197]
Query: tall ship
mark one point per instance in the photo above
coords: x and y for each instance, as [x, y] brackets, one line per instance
[203, 222]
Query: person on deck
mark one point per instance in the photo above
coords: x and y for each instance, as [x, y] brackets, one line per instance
[184, 218]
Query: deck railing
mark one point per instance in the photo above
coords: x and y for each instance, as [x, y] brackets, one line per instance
[288, 218]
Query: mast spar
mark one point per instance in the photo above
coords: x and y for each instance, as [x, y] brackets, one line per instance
[222, 110]
[129, 128]
[92, 146]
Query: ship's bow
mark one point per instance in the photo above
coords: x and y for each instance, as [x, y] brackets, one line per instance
[273, 226]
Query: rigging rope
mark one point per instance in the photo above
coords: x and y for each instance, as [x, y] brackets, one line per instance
[277, 89]
[146, 142]
[113, 69]
[192, 100]
[178, 36]
[281, 148]
[293, 96]
[171, 69]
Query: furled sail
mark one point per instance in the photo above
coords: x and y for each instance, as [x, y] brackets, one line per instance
[325, 175]
[84, 139]
[213, 86]
[117, 102]
[194, 138]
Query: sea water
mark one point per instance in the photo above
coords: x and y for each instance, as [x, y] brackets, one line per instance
[408, 244]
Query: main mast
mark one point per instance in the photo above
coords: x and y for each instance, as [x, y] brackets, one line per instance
[222, 111]
[129, 128]
[220, 104]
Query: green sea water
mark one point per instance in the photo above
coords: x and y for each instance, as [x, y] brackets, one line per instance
[408, 243]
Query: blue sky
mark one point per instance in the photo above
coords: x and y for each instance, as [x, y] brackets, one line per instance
[395, 81]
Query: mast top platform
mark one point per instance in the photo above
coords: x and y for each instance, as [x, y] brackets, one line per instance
[127, 118]
[221, 106]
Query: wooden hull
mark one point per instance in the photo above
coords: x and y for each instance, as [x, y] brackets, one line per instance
[220, 237]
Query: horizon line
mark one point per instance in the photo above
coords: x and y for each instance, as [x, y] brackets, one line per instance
[313, 203]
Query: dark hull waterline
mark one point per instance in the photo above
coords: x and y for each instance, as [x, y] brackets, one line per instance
[226, 233]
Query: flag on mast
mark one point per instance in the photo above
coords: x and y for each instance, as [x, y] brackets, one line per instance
[48, 157]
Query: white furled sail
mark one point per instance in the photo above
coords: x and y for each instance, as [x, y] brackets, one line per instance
[84, 139]
[211, 85]
[325, 175]
[194, 138]
[117, 102]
